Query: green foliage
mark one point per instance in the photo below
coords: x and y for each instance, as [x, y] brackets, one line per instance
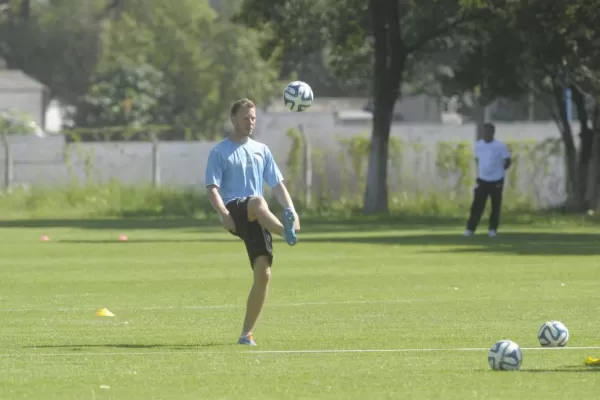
[455, 159]
[527, 45]
[112, 200]
[417, 189]
[453, 178]
[300, 38]
[13, 122]
[56, 42]
[152, 62]
[340, 35]
[363, 41]
[126, 94]
[357, 148]
[531, 161]
[115, 200]
[206, 63]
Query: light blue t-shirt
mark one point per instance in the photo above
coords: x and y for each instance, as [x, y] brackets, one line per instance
[239, 169]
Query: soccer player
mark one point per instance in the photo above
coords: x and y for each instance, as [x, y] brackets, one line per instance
[493, 159]
[235, 172]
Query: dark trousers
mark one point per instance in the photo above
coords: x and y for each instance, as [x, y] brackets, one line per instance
[483, 190]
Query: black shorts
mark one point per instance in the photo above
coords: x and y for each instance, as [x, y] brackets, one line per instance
[258, 240]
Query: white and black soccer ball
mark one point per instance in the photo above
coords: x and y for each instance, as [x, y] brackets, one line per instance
[553, 334]
[505, 355]
[298, 96]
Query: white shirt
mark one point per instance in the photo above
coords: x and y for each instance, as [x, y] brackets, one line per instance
[491, 156]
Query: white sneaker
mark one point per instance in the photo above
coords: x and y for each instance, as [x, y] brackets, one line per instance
[492, 233]
[468, 233]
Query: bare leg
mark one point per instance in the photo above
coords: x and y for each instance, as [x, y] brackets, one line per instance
[258, 293]
[258, 209]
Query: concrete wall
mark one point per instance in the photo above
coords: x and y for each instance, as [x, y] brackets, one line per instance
[49, 161]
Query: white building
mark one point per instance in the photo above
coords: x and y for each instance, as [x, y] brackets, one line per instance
[22, 93]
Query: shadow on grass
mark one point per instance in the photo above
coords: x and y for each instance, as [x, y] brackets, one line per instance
[109, 224]
[576, 369]
[517, 243]
[79, 347]
[310, 224]
[521, 243]
[136, 241]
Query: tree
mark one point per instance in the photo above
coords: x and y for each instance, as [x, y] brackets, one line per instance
[206, 63]
[125, 95]
[85, 51]
[56, 42]
[546, 47]
[390, 33]
[299, 33]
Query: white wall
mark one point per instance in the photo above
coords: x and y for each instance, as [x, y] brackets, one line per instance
[48, 161]
[419, 108]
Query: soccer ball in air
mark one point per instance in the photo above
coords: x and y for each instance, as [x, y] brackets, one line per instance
[505, 355]
[297, 96]
[553, 334]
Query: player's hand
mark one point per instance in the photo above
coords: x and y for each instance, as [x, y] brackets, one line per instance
[227, 222]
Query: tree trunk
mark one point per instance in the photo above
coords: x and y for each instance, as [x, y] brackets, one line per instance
[593, 174]
[376, 194]
[390, 57]
[586, 137]
[25, 9]
[573, 201]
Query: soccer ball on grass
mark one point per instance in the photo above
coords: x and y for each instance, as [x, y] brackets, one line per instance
[553, 334]
[505, 355]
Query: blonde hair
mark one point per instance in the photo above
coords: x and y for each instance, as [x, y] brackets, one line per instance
[242, 103]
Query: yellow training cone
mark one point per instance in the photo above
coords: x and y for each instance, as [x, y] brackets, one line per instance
[592, 361]
[105, 312]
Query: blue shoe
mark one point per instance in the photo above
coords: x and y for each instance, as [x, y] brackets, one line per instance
[289, 233]
[247, 340]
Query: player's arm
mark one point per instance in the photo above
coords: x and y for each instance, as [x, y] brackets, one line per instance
[274, 178]
[214, 175]
[507, 158]
[283, 196]
[215, 200]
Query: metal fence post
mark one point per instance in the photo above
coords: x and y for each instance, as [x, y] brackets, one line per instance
[155, 161]
[8, 163]
[307, 167]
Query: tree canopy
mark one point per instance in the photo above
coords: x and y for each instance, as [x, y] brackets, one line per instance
[547, 49]
[134, 63]
[382, 41]
[481, 50]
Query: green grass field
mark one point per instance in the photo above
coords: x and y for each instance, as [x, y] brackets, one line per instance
[389, 310]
